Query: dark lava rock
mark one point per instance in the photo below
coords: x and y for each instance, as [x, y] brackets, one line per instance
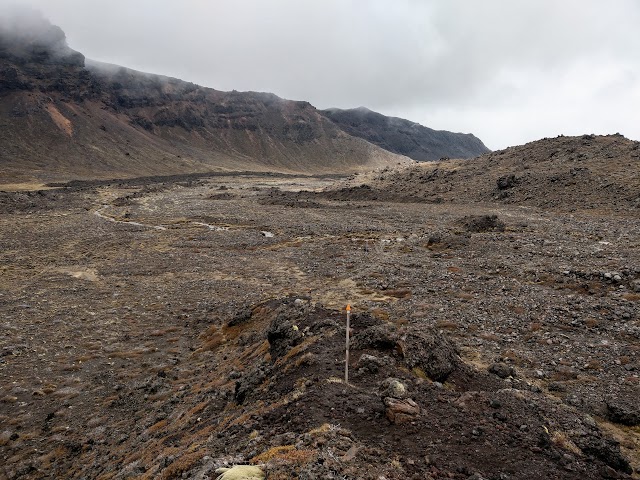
[508, 181]
[283, 334]
[557, 387]
[247, 384]
[482, 223]
[624, 410]
[364, 320]
[379, 337]
[369, 363]
[502, 370]
[606, 450]
[240, 317]
[431, 352]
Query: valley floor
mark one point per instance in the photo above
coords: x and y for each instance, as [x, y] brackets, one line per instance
[112, 299]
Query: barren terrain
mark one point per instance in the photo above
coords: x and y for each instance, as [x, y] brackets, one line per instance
[189, 317]
[162, 329]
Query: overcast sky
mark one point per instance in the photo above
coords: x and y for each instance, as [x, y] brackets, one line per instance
[509, 71]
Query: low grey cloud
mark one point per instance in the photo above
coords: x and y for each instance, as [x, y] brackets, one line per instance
[509, 71]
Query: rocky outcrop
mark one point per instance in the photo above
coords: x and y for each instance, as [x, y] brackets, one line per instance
[620, 409]
[405, 137]
[27, 37]
[430, 352]
[401, 410]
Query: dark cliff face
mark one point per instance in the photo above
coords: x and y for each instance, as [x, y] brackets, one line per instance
[27, 37]
[34, 55]
[41, 61]
[405, 137]
[155, 102]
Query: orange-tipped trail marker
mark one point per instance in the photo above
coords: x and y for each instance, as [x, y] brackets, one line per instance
[346, 360]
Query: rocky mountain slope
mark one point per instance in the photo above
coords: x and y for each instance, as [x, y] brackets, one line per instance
[405, 137]
[64, 118]
[572, 173]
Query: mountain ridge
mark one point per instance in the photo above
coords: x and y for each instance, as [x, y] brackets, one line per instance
[405, 137]
[65, 118]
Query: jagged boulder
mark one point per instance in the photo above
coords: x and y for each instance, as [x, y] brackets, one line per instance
[623, 410]
[502, 370]
[379, 337]
[604, 449]
[283, 334]
[482, 223]
[436, 356]
[401, 410]
[507, 181]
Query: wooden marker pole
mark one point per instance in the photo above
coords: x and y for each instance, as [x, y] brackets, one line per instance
[346, 361]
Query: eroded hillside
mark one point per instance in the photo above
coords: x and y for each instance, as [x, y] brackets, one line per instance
[575, 173]
[61, 120]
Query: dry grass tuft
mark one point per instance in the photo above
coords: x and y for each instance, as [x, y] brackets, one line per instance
[285, 454]
[464, 296]
[380, 314]
[562, 440]
[593, 365]
[398, 293]
[128, 354]
[306, 359]
[252, 353]
[181, 465]
[157, 427]
[324, 428]
[212, 339]
[446, 325]
[270, 454]
[418, 372]
[298, 349]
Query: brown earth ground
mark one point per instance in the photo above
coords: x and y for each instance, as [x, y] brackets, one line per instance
[565, 173]
[164, 329]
